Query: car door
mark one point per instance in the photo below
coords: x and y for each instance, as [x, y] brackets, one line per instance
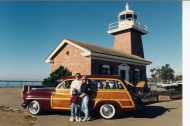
[60, 99]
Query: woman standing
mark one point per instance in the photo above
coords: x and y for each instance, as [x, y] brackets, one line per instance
[85, 89]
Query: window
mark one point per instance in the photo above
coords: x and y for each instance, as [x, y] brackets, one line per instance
[66, 84]
[105, 84]
[137, 76]
[135, 17]
[122, 17]
[129, 16]
[105, 69]
[67, 53]
[126, 17]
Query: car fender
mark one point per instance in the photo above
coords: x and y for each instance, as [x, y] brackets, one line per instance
[113, 102]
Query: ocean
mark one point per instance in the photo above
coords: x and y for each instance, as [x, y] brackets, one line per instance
[17, 84]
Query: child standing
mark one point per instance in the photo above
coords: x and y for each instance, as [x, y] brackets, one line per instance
[74, 104]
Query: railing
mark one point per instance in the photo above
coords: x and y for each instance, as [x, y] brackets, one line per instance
[149, 97]
[115, 25]
[156, 96]
[11, 84]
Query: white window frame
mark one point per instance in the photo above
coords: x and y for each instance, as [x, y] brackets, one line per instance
[126, 68]
[139, 74]
[106, 66]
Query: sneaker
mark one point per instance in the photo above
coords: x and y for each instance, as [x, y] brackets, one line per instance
[71, 119]
[85, 119]
[80, 119]
[76, 119]
[88, 118]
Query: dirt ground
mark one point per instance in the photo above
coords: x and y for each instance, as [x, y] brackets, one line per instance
[165, 113]
[11, 116]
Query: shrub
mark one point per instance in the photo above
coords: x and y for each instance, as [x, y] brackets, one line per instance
[52, 81]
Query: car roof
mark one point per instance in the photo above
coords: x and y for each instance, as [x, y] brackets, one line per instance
[97, 76]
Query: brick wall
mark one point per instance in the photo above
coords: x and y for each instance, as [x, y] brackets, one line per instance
[75, 62]
[97, 63]
[122, 41]
[136, 43]
[132, 70]
[129, 40]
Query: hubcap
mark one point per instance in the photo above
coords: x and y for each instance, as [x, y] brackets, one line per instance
[107, 110]
[34, 107]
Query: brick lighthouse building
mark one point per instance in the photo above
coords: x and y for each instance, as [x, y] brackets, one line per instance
[126, 59]
[127, 33]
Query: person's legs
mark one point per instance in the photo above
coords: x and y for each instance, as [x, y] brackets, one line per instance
[76, 110]
[80, 112]
[72, 109]
[82, 105]
[81, 109]
[85, 104]
[72, 112]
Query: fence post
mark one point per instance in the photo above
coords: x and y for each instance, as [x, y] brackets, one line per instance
[8, 84]
[21, 84]
[170, 95]
[157, 96]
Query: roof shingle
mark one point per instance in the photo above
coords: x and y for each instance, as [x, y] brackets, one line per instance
[107, 51]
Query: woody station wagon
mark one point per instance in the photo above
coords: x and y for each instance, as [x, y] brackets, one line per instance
[109, 94]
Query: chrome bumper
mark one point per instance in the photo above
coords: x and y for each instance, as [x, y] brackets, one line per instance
[24, 105]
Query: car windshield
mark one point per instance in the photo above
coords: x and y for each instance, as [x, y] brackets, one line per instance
[130, 86]
[128, 83]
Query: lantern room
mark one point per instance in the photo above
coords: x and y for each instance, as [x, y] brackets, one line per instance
[127, 19]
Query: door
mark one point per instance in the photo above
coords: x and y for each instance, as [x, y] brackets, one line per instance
[122, 74]
[61, 97]
[123, 71]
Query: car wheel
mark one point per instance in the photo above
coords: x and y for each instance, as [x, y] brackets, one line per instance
[34, 107]
[107, 111]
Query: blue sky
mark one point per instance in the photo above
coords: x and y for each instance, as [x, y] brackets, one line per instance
[29, 31]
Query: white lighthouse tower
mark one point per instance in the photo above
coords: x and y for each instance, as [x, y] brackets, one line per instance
[127, 32]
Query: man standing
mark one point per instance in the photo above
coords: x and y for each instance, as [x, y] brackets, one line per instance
[76, 84]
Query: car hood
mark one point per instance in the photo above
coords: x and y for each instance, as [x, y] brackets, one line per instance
[47, 89]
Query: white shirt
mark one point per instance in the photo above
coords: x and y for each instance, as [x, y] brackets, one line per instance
[76, 84]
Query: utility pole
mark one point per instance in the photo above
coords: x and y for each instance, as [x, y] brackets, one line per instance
[159, 74]
[169, 73]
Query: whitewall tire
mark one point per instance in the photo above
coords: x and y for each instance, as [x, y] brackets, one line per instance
[34, 107]
[107, 111]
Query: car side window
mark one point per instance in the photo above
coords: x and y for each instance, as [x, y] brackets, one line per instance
[93, 84]
[62, 85]
[119, 85]
[66, 84]
[105, 84]
[112, 84]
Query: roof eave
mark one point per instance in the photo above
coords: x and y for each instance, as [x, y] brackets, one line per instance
[64, 41]
[120, 58]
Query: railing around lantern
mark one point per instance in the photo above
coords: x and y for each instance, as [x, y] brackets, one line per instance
[126, 23]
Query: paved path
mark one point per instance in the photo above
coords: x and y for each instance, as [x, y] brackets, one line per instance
[159, 114]
[155, 88]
